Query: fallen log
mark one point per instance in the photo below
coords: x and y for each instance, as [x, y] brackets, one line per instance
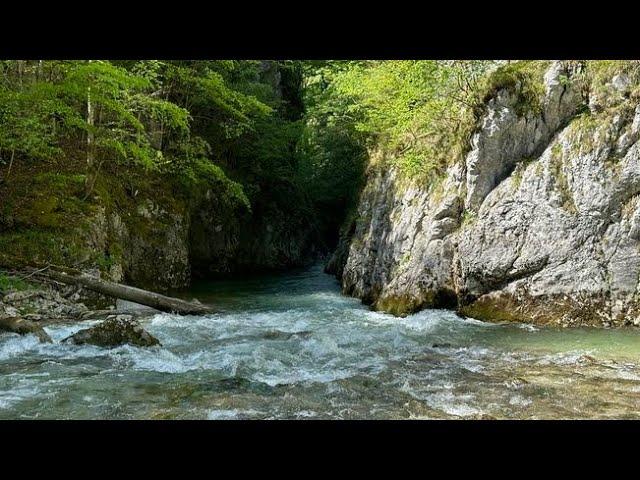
[72, 276]
[125, 292]
[23, 327]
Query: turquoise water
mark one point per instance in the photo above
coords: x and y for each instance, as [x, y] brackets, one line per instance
[291, 346]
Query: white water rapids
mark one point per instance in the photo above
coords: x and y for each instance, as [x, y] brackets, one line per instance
[291, 346]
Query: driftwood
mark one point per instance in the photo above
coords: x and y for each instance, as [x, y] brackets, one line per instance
[132, 294]
[23, 327]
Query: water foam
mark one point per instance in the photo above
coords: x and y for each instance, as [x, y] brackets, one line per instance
[336, 357]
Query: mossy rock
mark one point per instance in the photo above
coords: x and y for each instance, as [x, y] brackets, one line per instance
[543, 310]
[114, 332]
[523, 78]
[403, 305]
[490, 311]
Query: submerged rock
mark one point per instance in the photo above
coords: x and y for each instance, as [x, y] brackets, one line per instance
[280, 335]
[114, 331]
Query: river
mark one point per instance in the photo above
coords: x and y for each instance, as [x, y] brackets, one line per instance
[291, 346]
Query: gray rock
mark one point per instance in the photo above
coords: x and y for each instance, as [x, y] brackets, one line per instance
[621, 82]
[8, 311]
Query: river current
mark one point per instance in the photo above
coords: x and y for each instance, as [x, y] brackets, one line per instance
[291, 346]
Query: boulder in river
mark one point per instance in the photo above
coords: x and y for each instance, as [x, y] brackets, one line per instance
[114, 331]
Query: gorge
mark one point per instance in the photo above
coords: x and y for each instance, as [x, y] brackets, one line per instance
[369, 239]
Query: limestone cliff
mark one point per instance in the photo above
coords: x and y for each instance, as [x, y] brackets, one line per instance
[537, 222]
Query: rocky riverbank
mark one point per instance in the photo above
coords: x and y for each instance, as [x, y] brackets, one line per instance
[39, 301]
[28, 305]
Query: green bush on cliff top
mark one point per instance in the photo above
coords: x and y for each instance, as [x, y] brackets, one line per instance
[421, 113]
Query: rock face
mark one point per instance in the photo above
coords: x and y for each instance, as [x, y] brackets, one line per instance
[540, 222]
[222, 241]
[114, 331]
[149, 247]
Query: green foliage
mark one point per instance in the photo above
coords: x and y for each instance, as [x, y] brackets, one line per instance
[10, 283]
[289, 137]
[30, 118]
[524, 78]
[205, 174]
[105, 262]
[331, 149]
[418, 112]
[602, 71]
[124, 106]
[220, 112]
[37, 115]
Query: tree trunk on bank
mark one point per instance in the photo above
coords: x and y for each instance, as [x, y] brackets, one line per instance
[124, 292]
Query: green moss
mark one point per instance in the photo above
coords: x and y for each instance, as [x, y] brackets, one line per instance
[519, 170]
[556, 150]
[546, 310]
[437, 189]
[42, 246]
[400, 305]
[600, 72]
[598, 80]
[491, 311]
[524, 78]
[468, 217]
[56, 180]
[46, 200]
[561, 182]
[582, 130]
[403, 305]
[402, 264]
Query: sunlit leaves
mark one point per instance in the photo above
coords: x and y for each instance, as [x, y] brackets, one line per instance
[415, 110]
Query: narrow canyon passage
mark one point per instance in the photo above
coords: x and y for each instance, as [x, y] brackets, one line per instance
[506, 189]
[291, 346]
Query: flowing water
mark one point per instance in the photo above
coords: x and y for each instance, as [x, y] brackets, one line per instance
[290, 346]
